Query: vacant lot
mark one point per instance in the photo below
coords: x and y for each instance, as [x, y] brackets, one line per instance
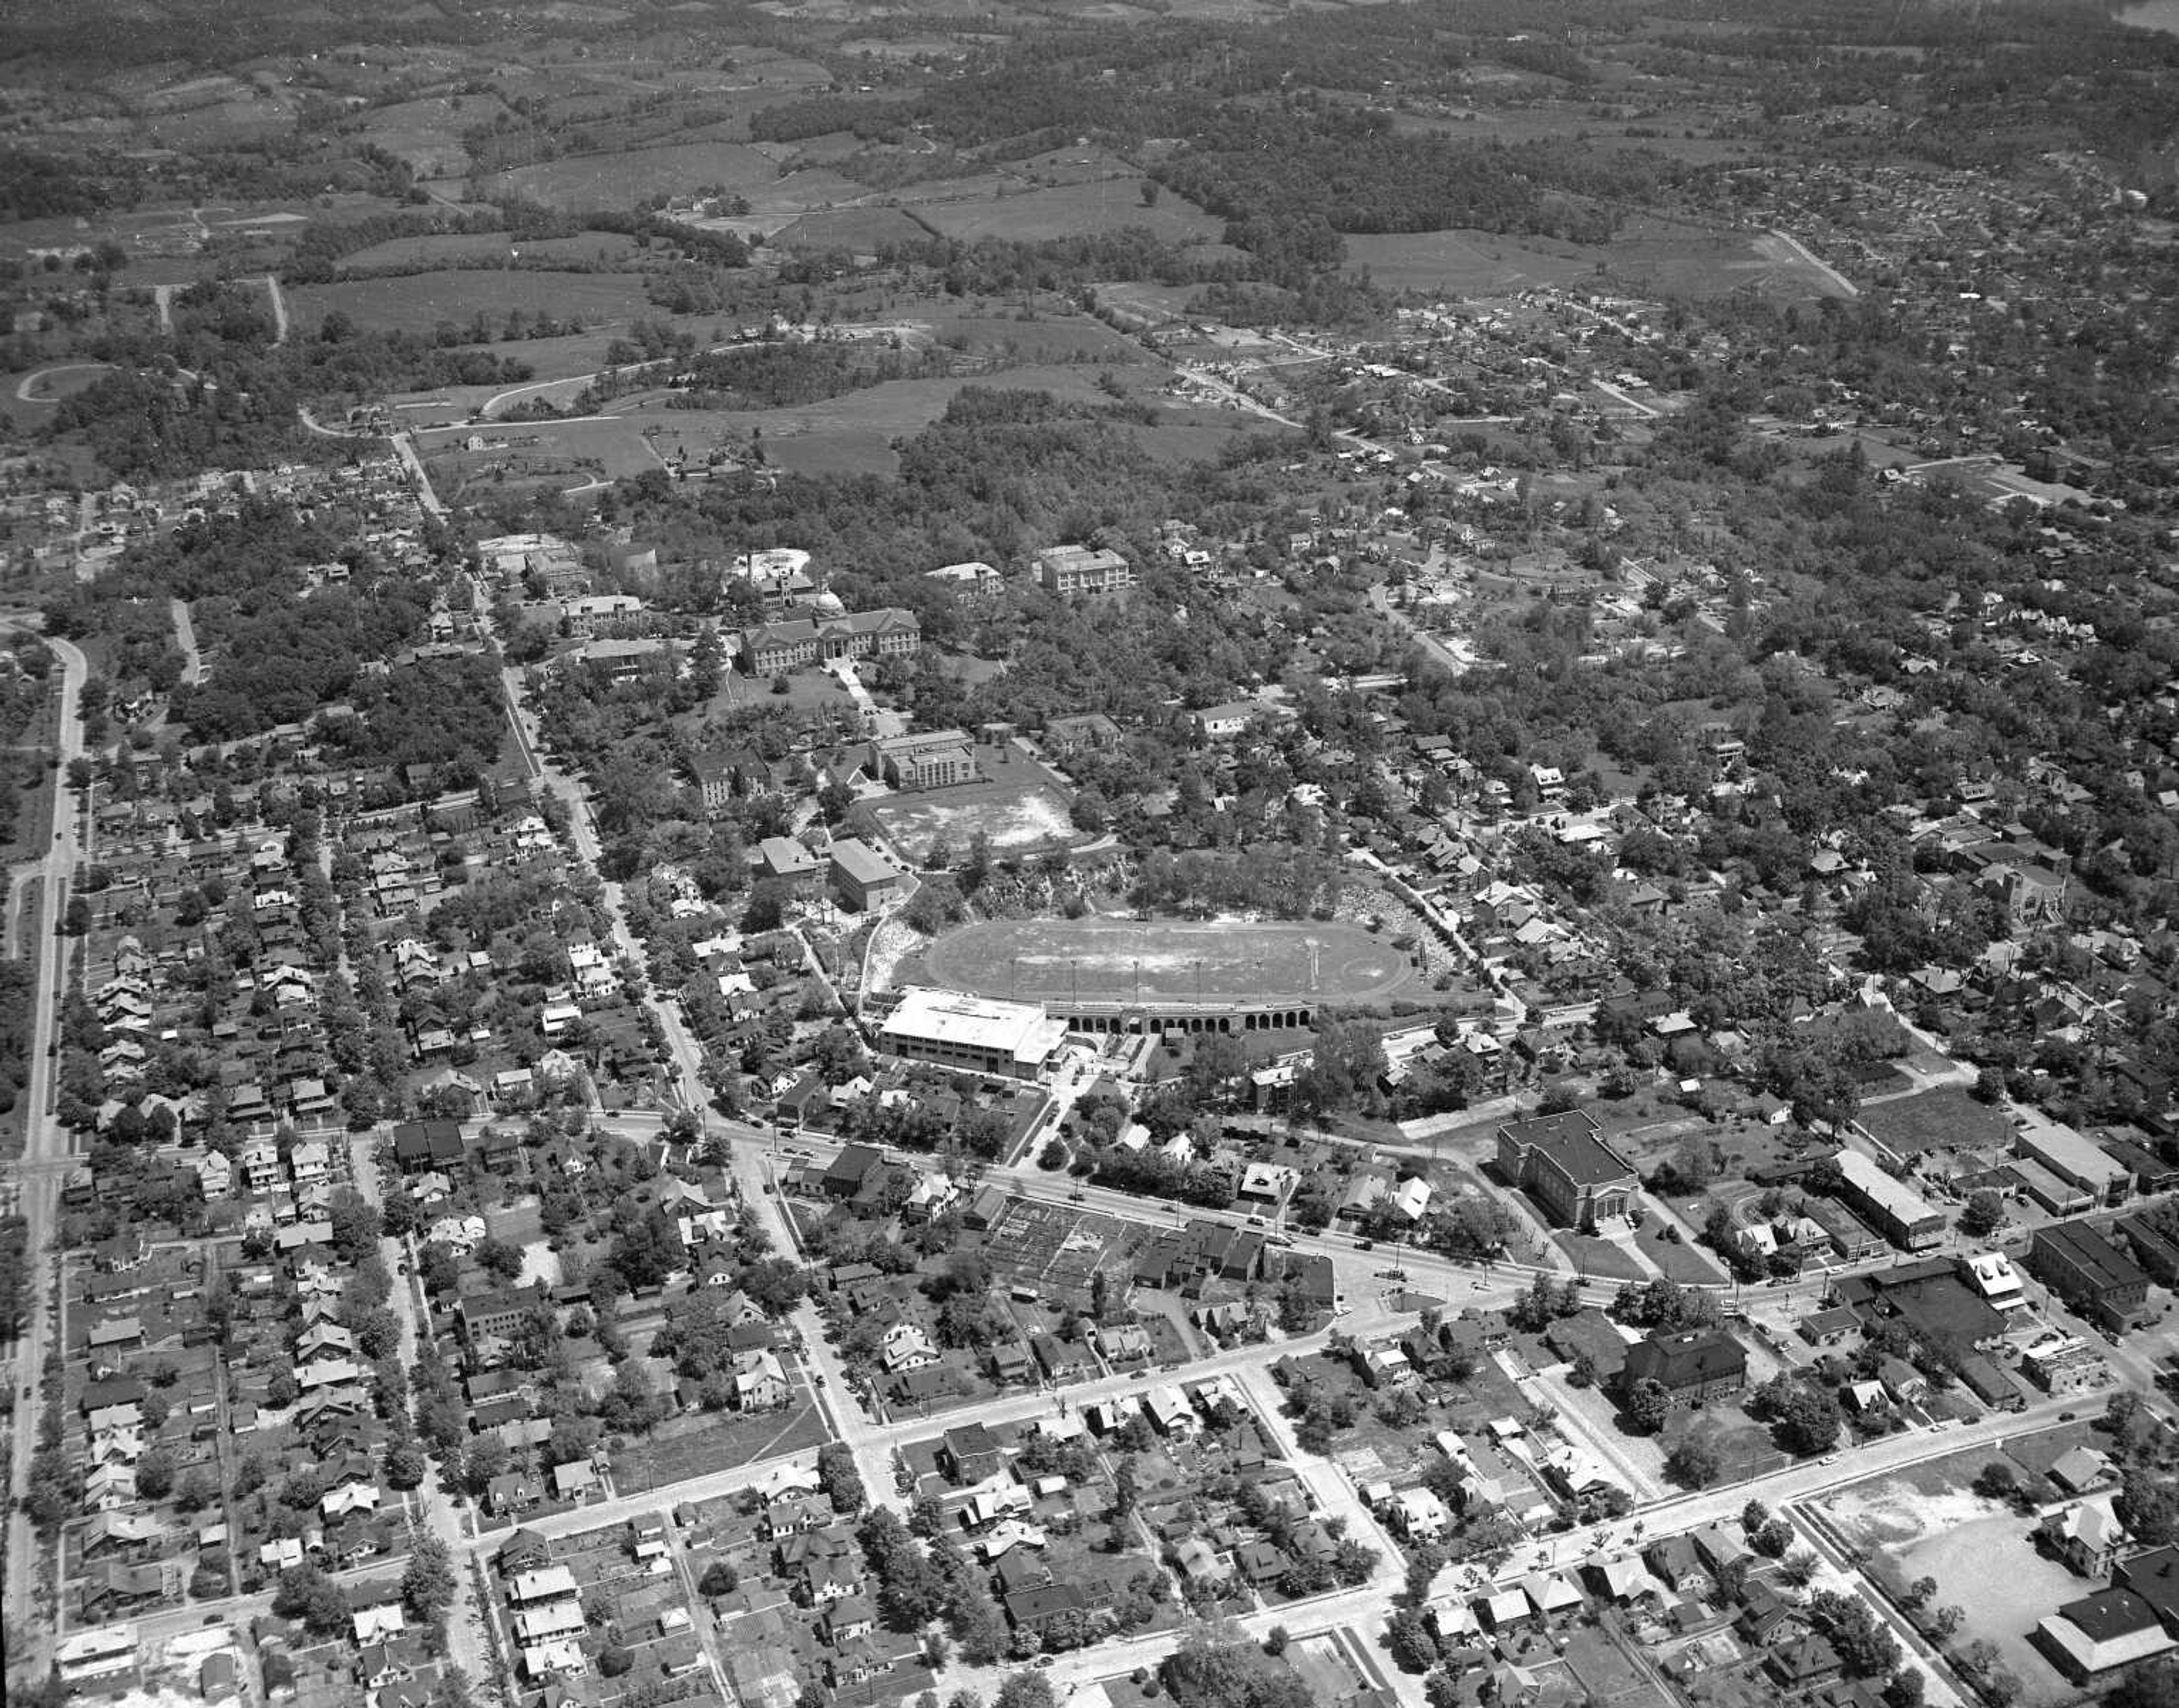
[1169, 960]
[421, 301]
[714, 1441]
[1016, 817]
[1922, 1525]
[1944, 1120]
[621, 180]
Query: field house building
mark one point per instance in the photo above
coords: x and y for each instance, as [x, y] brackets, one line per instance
[1562, 1162]
[1007, 1040]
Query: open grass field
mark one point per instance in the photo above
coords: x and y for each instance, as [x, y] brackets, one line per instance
[855, 433]
[622, 179]
[420, 301]
[1169, 960]
[1672, 257]
[858, 230]
[1071, 210]
[1016, 815]
[441, 248]
[1468, 263]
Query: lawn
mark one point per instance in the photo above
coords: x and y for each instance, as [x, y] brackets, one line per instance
[1600, 1258]
[1685, 1263]
[419, 302]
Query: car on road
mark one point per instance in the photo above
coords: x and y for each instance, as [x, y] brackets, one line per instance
[1365, 1245]
[1075, 1197]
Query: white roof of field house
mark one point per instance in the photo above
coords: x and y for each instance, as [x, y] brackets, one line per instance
[1020, 1030]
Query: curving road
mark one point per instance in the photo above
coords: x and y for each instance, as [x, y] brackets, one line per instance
[25, 387]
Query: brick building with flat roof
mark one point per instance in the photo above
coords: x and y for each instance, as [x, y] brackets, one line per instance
[1564, 1163]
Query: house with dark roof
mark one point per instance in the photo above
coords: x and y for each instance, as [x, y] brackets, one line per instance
[1694, 1365]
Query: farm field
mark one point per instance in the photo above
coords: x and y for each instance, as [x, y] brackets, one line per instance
[421, 301]
[1171, 960]
[622, 179]
[1015, 816]
[1072, 210]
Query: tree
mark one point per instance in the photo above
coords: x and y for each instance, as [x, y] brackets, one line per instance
[1026, 1691]
[1408, 1638]
[720, 1578]
[1984, 1215]
[307, 1594]
[838, 1478]
[1772, 1540]
[1905, 1689]
[1997, 1481]
[155, 1474]
[1810, 1421]
[1648, 1404]
[427, 1582]
[1753, 1516]
[2147, 1505]
[1694, 1461]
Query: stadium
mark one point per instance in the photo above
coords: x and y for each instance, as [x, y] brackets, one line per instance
[1135, 975]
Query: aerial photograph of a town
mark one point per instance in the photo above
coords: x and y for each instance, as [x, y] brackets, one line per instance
[1089, 854]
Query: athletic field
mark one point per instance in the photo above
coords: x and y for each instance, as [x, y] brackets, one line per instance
[1161, 961]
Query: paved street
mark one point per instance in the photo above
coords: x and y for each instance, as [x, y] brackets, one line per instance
[45, 1143]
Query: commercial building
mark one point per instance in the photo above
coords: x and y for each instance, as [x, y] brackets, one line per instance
[2072, 1157]
[1895, 1209]
[1011, 1040]
[2088, 1273]
[1562, 1162]
[794, 642]
[1068, 569]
